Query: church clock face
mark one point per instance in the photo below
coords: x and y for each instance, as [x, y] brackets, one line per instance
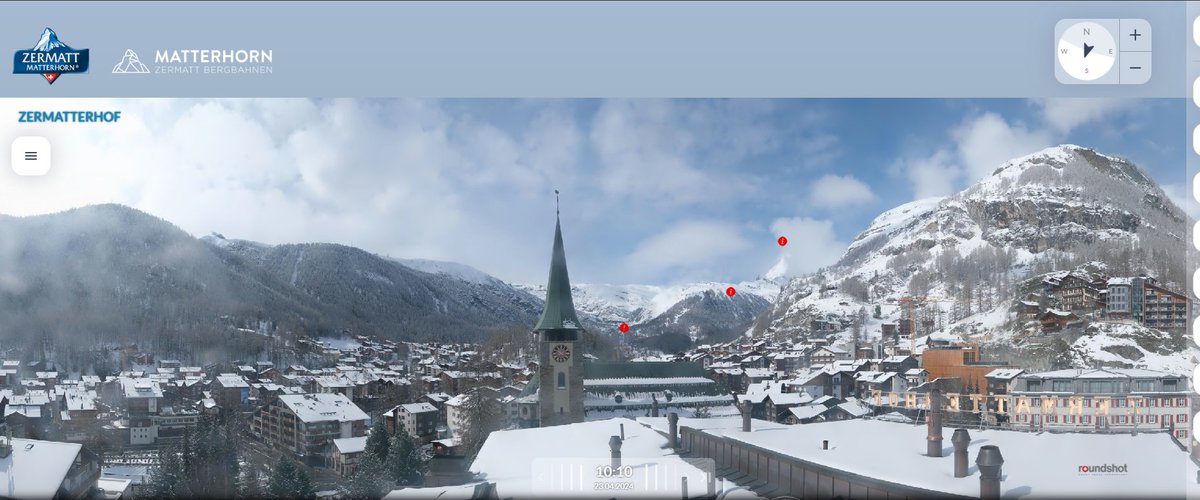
[561, 353]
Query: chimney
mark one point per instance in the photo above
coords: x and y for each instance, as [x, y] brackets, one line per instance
[824, 444]
[622, 432]
[746, 416]
[684, 486]
[933, 422]
[961, 440]
[614, 445]
[653, 405]
[673, 430]
[989, 461]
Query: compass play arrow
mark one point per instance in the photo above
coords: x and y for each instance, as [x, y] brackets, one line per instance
[1087, 49]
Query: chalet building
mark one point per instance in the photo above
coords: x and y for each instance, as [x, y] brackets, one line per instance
[777, 405]
[828, 354]
[32, 468]
[1135, 398]
[916, 376]
[419, 420]
[346, 452]
[960, 362]
[78, 418]
[1002, 380]
[306, 424]
[142, 402]
[1054, 320]
[231, 391]
[1077, 292]
[898, 364]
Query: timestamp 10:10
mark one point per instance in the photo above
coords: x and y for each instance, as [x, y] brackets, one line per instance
[609, 472]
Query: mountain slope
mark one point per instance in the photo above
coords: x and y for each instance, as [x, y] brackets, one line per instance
[1052, 210]
[694, 311]
[384, 297]
[112, 273]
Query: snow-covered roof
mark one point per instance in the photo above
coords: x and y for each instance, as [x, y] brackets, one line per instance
[508, 458]
[1045, 464]
[807, 411]
[141, 388]
[914, 371]
[350, 445]
[231, 380]
[418, 407]
[323, 407]
[1004, 373]
[855, 408]
[36, 469]
[648, 381]
[1101, 373]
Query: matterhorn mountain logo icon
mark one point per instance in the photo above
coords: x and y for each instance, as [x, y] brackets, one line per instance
[50, 58]
[130, 64]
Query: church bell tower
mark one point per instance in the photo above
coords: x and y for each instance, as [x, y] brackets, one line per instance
[560, 365]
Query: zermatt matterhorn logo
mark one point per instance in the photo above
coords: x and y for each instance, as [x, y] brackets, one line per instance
[50, 58]
[130, 64]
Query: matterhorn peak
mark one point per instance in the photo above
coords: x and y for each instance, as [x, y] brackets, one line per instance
[49, 41]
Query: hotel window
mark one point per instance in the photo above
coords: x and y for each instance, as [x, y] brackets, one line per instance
[1087, 419]
[1087, 403]
[1181, 418]
[1151, 419]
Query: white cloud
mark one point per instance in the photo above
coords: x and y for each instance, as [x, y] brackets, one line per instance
[812, 244]
[985, 142]
[838, 191]
[690, 248]
[1064, 114]
[677, 152]
[982, 143]
[934, 175]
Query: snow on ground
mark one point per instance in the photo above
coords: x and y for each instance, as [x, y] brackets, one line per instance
[340, 343]
[560, 461]
[1117, 342]
[1041, 465]
[452, 269]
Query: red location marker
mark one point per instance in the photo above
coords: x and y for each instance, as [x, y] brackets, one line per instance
[624, 327]
[782, 241]
[730, 291]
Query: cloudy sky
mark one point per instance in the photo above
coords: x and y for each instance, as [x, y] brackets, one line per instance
[654, 191]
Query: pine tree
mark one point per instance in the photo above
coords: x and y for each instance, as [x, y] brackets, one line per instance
[377, 442]
[283, 478]
[169, 479]
[481, 416]
[250, 484]
[369, 479]
[405, 465]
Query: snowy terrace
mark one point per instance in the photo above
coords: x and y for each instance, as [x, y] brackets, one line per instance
[1041, 465]
[525, 463]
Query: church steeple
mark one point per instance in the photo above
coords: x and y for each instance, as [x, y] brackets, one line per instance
[559, 312]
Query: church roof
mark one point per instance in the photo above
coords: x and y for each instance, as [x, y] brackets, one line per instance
[559, 312]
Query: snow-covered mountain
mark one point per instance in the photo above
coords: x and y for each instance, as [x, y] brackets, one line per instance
[49, 41]
[678, 309]
[1055, 209]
